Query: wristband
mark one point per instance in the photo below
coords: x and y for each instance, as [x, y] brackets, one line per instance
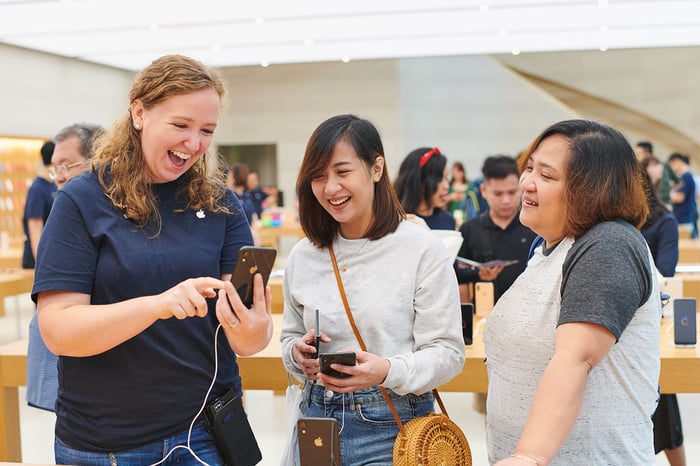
[526, 458]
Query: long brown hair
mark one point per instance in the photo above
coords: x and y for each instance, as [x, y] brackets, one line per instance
[119, 155]
[318, 225]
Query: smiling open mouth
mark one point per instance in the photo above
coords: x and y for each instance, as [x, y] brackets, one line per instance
[180, 155]
[337, 202]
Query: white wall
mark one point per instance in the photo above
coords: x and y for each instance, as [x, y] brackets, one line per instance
[469, 106]
[283, 104]
[663, 83]
[42, 93]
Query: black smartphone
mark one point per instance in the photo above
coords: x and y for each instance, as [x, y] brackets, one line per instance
[467, 322]
[684, 322]
[346, 359]
[252, 260]
[319, 442]
[232, 433]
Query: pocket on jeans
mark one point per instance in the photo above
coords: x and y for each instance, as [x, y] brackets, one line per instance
[376, 414]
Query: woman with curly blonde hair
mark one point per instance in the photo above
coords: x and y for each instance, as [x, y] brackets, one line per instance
[126, 277]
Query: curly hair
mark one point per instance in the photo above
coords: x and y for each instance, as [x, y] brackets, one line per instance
[119, 157]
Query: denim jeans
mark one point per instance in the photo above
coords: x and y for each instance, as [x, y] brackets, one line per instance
[367, 428]
[201, 442]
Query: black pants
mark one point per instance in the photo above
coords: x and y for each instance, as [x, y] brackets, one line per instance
[668, 431]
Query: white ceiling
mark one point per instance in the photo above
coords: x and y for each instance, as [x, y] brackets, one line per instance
[129, 34]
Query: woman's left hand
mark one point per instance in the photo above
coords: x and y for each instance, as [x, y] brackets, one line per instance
[370, 370]
[248, 330]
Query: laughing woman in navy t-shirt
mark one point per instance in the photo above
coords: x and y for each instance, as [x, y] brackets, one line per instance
[127, 276]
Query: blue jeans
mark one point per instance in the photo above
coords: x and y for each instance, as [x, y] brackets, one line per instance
[201, 443]
[367, 428]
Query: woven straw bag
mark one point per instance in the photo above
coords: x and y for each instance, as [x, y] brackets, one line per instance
[430, 440]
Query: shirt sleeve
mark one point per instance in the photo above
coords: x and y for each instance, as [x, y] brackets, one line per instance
[606, 277]
[667, 246]
[67, 255]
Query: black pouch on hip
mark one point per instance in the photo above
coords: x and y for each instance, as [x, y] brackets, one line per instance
[232, 434]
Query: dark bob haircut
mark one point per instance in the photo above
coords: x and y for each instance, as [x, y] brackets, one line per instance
[603, 178]
[419, 177]
[318, 225]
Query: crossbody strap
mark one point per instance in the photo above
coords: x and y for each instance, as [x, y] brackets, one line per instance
[341, 288]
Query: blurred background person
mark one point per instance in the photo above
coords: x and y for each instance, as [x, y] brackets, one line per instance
[70, 157]
[644, 151]
[661, 234]
[422, 187]
[237, 179]
[685, 207]
[256, 193]
[37, 207]
[496, 233]
[457, 193]
[73, 149]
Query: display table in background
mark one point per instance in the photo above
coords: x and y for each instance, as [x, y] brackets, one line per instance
[14, 282]
[680, 373]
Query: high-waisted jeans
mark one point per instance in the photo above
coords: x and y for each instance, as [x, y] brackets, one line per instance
[367, 427]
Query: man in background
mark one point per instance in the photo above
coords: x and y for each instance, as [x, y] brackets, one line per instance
[37, 207]
[496, 233]
[685, 208]
[73, 149]
[644, 151]
[70, 158]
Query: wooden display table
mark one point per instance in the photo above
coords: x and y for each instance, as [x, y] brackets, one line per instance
[680, 373]
[270, 236]
[688, 250]
[14, 282]
[11, 258]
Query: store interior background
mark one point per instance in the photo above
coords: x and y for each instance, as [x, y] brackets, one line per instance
[470, 106]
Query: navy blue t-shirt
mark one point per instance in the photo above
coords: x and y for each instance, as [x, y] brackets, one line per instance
[152, 385]
[38, 205]
[686, 211]
[440, 220]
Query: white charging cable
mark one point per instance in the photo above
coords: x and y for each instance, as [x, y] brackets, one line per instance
[204, 403]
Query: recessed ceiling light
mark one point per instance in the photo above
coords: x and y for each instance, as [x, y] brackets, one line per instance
[345, 59]
[265, 64]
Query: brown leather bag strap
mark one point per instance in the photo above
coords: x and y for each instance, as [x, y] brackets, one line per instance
[341, 288]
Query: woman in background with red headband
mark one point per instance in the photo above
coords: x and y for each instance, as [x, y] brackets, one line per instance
[422, 187]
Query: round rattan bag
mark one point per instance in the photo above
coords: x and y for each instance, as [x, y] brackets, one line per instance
[432, 440]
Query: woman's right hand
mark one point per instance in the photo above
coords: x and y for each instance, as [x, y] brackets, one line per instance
[187, 298]
[304, 353]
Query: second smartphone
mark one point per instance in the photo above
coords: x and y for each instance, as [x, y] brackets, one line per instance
[252, 260]
[319, 442]
[684, 322]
